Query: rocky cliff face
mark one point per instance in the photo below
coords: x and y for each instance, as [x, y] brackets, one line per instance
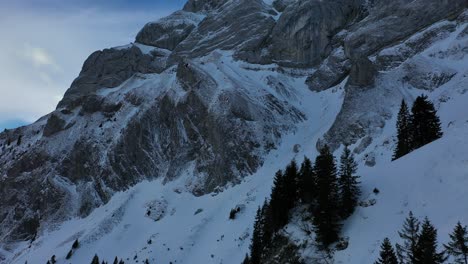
[169, 105]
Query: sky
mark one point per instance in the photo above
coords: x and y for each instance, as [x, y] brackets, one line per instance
[45, 42]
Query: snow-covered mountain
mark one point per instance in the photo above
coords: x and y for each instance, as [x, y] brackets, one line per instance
[156, 141]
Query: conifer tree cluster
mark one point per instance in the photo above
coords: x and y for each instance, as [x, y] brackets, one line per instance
[419, 242]
[331, 194]
[418, 128]
[420, 245]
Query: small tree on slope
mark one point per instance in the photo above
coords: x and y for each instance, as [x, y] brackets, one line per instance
[307, 183]
[267, 227]
[278, 202]
[326, 217]
[387, 254]
[95, 260]
[256, 244]
[425, 123]
[348, 184]
[403, 132]
[458, 245]
[290, 180]
[426, 248]
[410, 235]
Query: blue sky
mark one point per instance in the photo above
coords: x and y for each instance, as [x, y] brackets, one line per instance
[45, 42]
[105, 4]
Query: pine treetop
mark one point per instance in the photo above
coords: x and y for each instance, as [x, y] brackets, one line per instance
[76, 244]
[348, 165]
[95, 259]
[458, 245]
[425, 122]
[410, 236]
[426, 248]
[404, 132]
[387, 254]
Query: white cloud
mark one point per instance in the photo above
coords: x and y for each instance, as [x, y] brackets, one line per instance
[39, 57]
[42, 52]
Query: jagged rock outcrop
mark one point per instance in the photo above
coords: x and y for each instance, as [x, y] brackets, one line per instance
[151, 126]
[389, 22]
[331, 72]
[281, 5]
[302, 36]
[379, 37]
[168, 32]
[203, 5]
[362, 73]
[241, 26]
[107, 68]
[421, 74]
[54, 125]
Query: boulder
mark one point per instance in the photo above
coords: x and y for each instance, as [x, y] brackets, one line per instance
[54, 125]
[362, 73]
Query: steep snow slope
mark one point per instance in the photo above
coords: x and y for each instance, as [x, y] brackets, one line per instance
[142, 87]
[430, 181]
[122, 227]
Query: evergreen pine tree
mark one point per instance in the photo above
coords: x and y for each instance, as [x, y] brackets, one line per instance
[404, 132]
[76, 244]
[425, 123]
[256, 246]
[410, 235]
[278, 202]
[267, 227]
[387, 254]
[326, 217]
[307, 185]
[95, 260]
[348, 184]
[290, 186]
[70, 254]
[426, 248]
[116, 261]
[458, 245]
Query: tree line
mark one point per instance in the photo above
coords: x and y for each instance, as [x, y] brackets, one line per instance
[418, 128]
[330, 193]
[420, 245]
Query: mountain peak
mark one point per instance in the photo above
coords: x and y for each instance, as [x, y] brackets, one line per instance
[203, 5]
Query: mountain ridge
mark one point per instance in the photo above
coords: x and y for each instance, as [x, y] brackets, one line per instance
[212, 90]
